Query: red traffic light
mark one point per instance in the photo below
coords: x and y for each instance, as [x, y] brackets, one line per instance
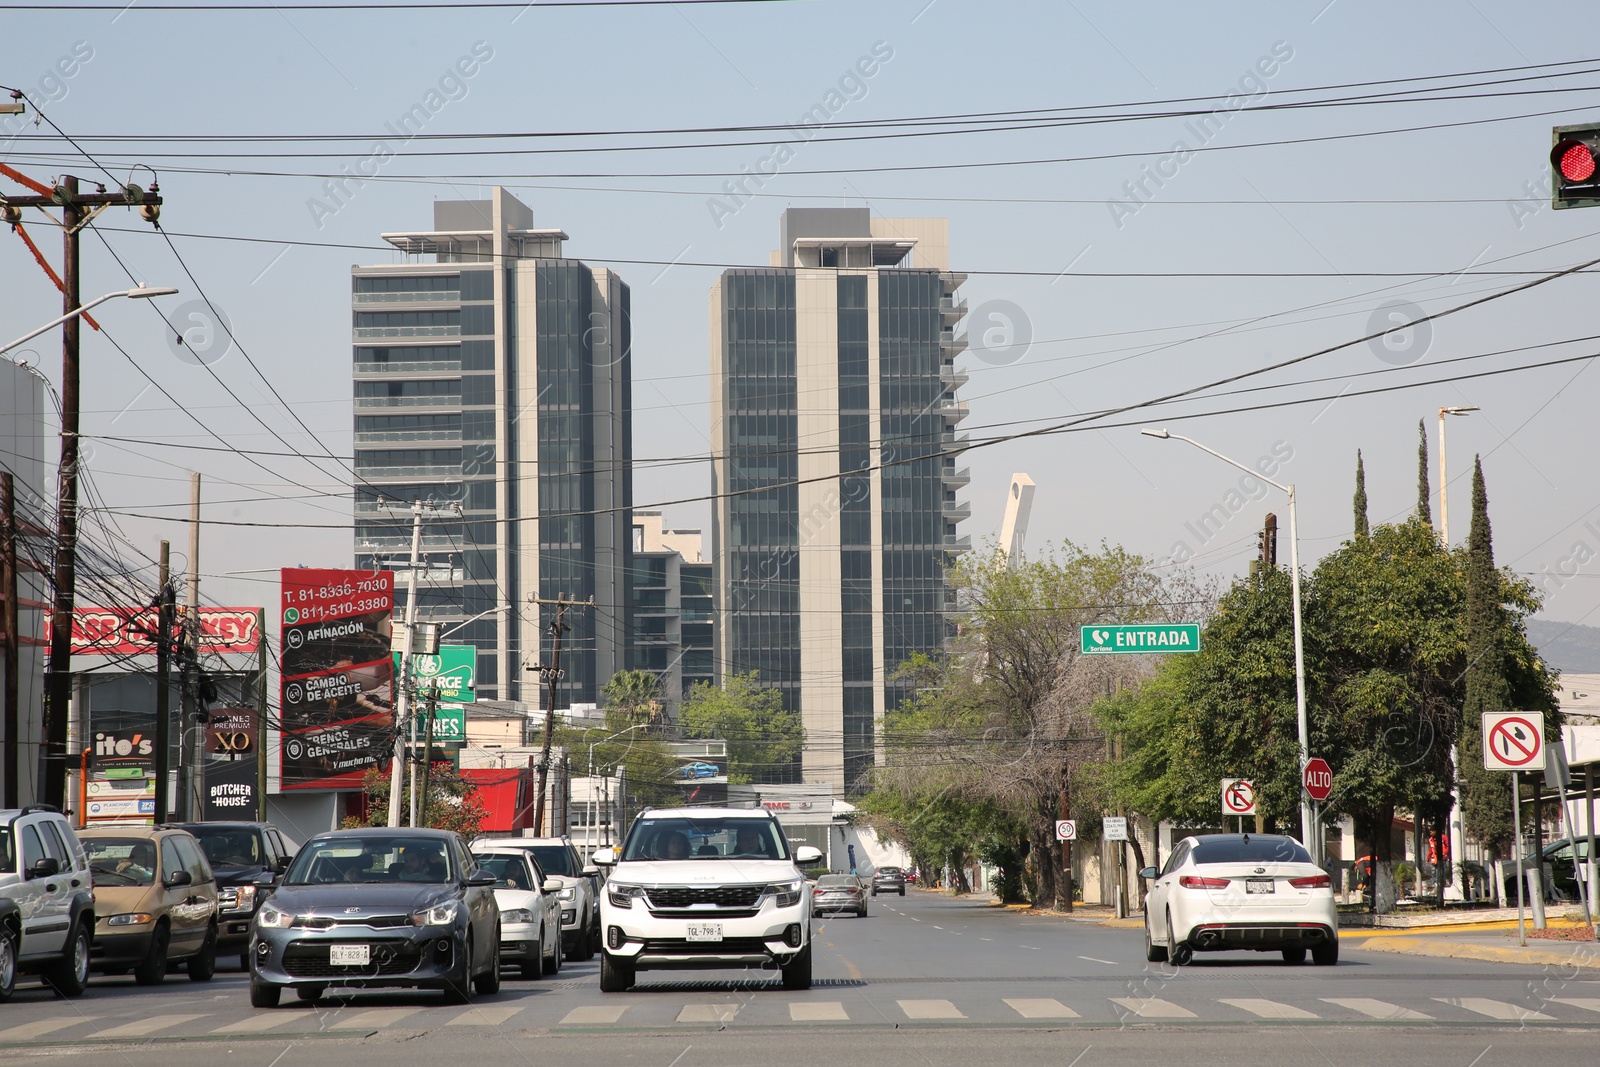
[1574, 161]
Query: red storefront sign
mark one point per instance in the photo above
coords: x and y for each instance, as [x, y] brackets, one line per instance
[131, 631]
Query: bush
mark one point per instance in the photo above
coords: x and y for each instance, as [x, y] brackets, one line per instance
[1405, 876]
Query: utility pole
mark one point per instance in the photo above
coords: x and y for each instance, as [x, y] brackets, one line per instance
[8, 577]
[191, 758]
[427, 755]
[77, 211]
[552, 675]
[261, 715]
[164, 601]
[1064, 889]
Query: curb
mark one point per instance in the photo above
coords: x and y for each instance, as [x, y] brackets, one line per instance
[1486, 953]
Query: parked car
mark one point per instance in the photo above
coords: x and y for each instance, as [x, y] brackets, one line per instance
[580, 911]
[47, 912]
[704, 888]
[156, 903]
[839, 892]
[888, 880]
[1240, 892]
[239, 854]
[377, 907]
[530, 910]
[1557, 856]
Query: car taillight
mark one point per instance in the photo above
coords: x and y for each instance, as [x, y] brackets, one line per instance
[1320, 881]
[1195, 881]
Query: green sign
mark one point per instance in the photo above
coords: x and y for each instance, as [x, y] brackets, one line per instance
[1141, 639]
[452, 673]
[449, 723]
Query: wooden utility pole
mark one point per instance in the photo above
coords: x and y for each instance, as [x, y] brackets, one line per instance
[8, 577]
[164, 601]
[1064, 889]
[261, 715]
[191, 757]
[551, 674]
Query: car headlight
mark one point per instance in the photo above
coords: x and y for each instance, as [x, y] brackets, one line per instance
[623, 896]
[438, 915]
[516, 915]
[271, 918]
[137, 918]
[245, 897]
[785, 894]
[569, 893]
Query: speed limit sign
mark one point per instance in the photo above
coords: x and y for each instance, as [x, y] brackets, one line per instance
[1066, 830]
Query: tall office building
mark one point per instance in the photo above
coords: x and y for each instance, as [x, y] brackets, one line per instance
[672, 617]
[835, 469]
[494, 373]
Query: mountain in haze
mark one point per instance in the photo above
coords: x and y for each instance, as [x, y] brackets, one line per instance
[1566, 646]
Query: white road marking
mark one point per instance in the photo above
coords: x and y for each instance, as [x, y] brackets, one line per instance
[1096, 959]
[1154, 1008]
[40, 1027]
[592, 1014]
[1495, 1009]
[1268, 1009]
[1041, 1008]
[258, 1023]
[821, 1011]
[936, 926]
[707, 1013]
[375, 1019]
[148, 1026]
[1587, 1003]
[1377, 1009]
[930, 1009]
[485, 1016]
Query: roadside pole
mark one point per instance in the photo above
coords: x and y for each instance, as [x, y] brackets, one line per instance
[261, 716]
[1516, 851]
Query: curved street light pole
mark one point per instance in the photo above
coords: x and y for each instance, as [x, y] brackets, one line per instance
[1309, 833]
[594, 808]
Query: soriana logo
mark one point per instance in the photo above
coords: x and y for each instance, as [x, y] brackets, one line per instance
[132, 631]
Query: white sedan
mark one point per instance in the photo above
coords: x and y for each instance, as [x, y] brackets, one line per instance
[1240, 892]
[530, 910]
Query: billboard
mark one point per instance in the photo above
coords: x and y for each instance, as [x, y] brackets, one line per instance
[336, 685]
[131, 631]
[232, 790]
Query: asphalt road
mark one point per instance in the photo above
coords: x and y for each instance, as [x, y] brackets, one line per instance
[927, 979]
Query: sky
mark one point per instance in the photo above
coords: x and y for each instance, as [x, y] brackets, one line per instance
[1142, 259]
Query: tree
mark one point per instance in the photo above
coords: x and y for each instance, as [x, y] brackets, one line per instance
[623, 742]
[452, 802]
[1361, 527]
[636, 694]
[764, 740]
[1424, 494]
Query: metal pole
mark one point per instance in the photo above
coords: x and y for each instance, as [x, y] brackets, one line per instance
[1592, 868]
[1444, 486]
[1516, 852]
[1572, 835]
[402, 683]
[8, 564]
[1302, 722]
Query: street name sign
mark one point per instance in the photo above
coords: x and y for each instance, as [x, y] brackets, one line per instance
[1140, 639]
[1115, 827]
[1066, 829]
[1513, 740]
[1317, 779]
[1238, 796]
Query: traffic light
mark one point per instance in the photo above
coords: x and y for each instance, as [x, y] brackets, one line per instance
[1575, 167]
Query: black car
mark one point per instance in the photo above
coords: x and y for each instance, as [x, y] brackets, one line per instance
[240, 853]
[377, 907]
[888, 880]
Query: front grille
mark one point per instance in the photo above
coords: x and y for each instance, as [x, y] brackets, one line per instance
[309, 959]
[228, 898]
[728, 946]
[674, 898]
[373, 922]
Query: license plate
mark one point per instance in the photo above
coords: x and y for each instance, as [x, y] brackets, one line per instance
[350, 955]
[1259, 885]
[703, 932]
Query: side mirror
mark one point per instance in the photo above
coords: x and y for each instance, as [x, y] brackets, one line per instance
[480, 877]
[552, 886]
[265, 880]
[806, 855]
[590, 870]
[44, 867]
[177, 878]
[1149, 874]
[603, 857]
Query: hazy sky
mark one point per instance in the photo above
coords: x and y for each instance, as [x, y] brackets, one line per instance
[1230, 221]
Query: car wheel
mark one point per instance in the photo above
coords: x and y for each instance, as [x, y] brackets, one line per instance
[1153, 952]
[203, 964]
[69, 975]
[1179, 953]
[309, 993]
[553, 964]
[244, 961]
[589, 944]
[458, 987]
[902, 890]
[1294, 955]
[488, 983]
[8, 964]
[874, 890]
[264, 994]
[615, 976]
[532, 972]
[153, 971]
[1326, 954]
[797, 974]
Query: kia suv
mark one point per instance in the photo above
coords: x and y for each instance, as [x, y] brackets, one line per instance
[46, 901]
[705, 888]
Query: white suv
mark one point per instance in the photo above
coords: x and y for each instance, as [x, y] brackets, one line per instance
[46, 900]
[704, 888]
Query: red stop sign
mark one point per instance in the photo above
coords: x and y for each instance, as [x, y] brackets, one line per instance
[1318, 779]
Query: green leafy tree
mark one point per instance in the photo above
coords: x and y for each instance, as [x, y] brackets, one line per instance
[636, 694]
[1424, 494]
[764, 740]
[625, 741]
[1362, 529]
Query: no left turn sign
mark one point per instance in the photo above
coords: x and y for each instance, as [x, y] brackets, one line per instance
[1513, 740]
[1238, 796]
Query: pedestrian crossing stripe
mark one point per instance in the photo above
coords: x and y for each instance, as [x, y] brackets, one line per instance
[1154, 1008]
[1378, 1009]
[143, 1027]
[1268, 1009]
[1496, 1009]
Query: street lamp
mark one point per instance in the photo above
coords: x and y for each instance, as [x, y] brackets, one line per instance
[475, 618]
[1444, 476]
[142, 292]
[594, 810]
[1306, 819]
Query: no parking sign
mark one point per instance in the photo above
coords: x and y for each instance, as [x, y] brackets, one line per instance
[1238, 796]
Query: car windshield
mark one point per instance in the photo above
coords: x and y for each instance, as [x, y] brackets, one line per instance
[510, 871]
[679, 837]
[1247, 849]
[554, 859]
[121, 860]
[229, 846]
[367, 860]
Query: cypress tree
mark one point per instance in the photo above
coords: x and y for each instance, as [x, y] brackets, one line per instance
[1485, 794]
[1361, 528]
[1424, 494]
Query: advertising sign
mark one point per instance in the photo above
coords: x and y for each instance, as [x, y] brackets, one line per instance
[131, 631]
[336, 688]
[132, 748]
[453, 673]
[231, 732]
[231, 790]
[123, 799]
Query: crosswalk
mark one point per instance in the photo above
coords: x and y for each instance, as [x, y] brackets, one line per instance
[769, 1008]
